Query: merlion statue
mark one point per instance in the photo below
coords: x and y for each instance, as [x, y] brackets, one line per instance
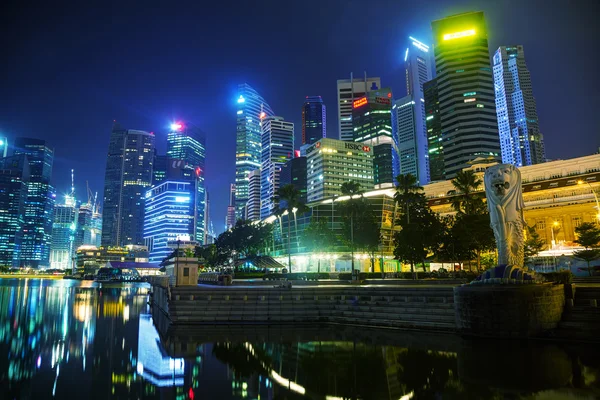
[505, 204]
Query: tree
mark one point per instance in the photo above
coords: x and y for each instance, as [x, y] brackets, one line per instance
[290, 196]
[469, 200]
[349, 210]
[318, 237]
[534, 244]
[407, 192]
[245, 239]
[588, 236]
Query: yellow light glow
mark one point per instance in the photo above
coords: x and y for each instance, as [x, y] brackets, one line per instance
[456, 35]
[555, 223]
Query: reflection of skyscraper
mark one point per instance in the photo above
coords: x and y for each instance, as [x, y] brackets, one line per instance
[39, 206]
[14, 175]
[313, 120]
[251, 108]
[128, 176]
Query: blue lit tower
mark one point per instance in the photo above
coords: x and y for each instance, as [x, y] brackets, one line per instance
[251, 106]
[64, 229]
[3, 146]
[14, 176]
[128, 176]
[520, 139]
[408, 114]
[314, 120]
[277, 149]
[186, 147]
[39, 206]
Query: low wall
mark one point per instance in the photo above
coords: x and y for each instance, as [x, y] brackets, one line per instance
[508, 310]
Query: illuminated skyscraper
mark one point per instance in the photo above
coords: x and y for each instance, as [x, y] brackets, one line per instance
[466, 91]
[128, 176]
[230, 221]
[253, 204]
[39, 206]
[250, 107]
[3, 146]
[186, 143]
[159, 169]
[520, 138]
[277, 149]
[314, 120]
[434, 131]
[14, 175]
[62, 250]
[348, 91]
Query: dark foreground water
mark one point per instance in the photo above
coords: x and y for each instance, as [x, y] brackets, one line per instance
[74, 340]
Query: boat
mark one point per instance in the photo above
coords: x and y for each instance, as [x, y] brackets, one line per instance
[116, 275]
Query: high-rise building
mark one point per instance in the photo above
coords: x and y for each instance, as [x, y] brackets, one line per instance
[3, 146]
[253, 204]
[64, 227]
[277, 149]
[230, 220]
[186, 143]
[14, 176]
[294, 173]
[170, 215]
[520, 139]
[159, 168]
[314, 120]
[39, 206]
[330, 163]
[89, 225]
[128, 176]
[372, 122]
[465, 90]
[348, 91]
[251, 108]
[434, 131]
[412, 139]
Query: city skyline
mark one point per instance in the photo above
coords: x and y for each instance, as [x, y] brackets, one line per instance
[84, 146]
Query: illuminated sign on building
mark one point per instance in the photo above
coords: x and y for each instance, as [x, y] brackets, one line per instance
[456, 35]
[383, 100]
[360, 102]
[419, 45]
[357, 146]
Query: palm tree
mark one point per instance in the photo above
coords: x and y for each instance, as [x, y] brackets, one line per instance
[469, 202]
[351, 188]
[407, 191]
[291, 196]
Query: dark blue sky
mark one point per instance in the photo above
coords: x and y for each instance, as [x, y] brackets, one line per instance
[68, 71]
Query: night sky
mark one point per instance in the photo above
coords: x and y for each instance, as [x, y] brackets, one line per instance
[67, 72]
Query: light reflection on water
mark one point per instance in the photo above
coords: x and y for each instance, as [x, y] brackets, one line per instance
[68, 339]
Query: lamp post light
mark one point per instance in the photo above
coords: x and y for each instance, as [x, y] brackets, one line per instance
[554, 224]
[595, 198]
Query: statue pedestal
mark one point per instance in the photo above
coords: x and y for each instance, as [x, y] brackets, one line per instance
[506, 310]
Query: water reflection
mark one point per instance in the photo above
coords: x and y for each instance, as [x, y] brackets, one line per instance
[66, 339]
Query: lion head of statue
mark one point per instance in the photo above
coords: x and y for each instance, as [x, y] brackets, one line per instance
[502, 180]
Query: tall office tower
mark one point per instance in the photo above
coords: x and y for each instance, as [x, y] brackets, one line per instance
[251, 108]
[277, 148]
[3, 146]
[89, 225]
[330, 163]
[128, 176]
[64, 227]
[415, 159]
[466, 91]
[348, 91]
[207, 223]
[294, 173]
[404, 126]
[170, 215]
[314, 120]
[520, 138]
[39, 206]
[14, 176]
[434, 131]
[372, 122]
[230, 220]
[253, 204]
[186, 144]
[159, 168]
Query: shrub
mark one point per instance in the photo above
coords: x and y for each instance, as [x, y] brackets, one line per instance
[560, 277]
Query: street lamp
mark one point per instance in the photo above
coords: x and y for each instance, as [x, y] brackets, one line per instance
[595, 198]
[554, 224]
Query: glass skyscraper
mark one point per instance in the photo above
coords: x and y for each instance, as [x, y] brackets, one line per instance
[128, 176]
[251, 107]
[64, 227]
[465, 90]
[277, 149]
[14, 176]
[434, 131]
[39, 206]
[314, 120]
[348, 91]
[89, 225]
[520, 138]
[186, 145]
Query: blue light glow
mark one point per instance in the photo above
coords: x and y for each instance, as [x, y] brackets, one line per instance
[241, 99]
[406, 55]
[180, 199]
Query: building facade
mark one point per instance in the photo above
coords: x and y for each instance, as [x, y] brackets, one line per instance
[251, 108]
[64, 228]
[520, 139]
[39, 206]
[3, 146]
[434, 131]
[89, 225]
[170, 215]
[372, 125]
[129, 167]
[294, 173]
[14, 176]
[230, 219]
[330, 163]
[465, 86]
[349, 90]
[405, 131]
[253, 204]
[314, 120]
[159, 168]
[277, 149]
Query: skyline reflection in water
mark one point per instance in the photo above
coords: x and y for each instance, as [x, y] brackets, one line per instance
[68, 339]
